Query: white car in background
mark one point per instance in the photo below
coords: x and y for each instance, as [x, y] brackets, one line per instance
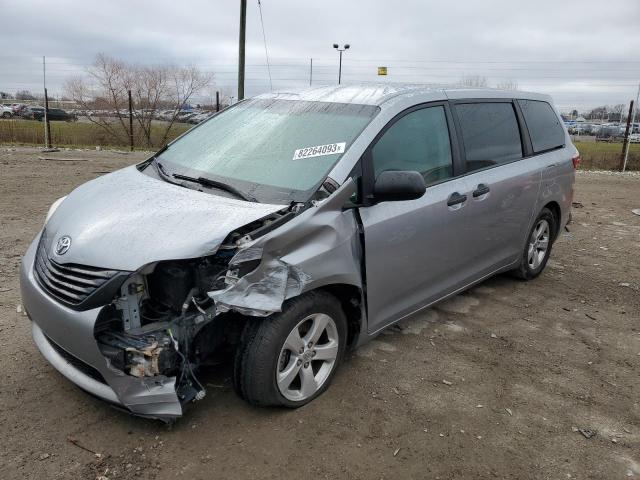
[634, 138]
[6, 111]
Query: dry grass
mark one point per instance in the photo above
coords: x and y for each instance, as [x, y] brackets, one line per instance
[606, 156]
[75, 134]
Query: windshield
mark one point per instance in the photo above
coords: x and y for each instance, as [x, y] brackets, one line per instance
[277, 151]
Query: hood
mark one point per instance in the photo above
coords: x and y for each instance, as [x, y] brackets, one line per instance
[127, 219]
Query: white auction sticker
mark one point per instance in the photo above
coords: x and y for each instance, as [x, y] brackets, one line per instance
[319, 150]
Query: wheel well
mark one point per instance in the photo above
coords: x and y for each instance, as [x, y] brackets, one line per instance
[351, 299]
[557, 215]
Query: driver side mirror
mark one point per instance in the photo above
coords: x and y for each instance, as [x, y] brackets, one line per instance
[395, 185]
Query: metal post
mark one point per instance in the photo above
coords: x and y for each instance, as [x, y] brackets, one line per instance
[217, 101]
[340, 68]
[633, 120]
[44, 86]
[130, 121]
[241, 45]
[311, 72]
[625, 144]
[46, 119]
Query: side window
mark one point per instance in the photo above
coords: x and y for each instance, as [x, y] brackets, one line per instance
[544, 127]
[419, 141]
[490, 133]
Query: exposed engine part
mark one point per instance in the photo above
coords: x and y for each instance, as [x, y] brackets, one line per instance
[147, 354]
[170, 283]
[132, 292]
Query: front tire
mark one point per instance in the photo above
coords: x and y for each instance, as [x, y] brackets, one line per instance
[538, 247]
[290, 358]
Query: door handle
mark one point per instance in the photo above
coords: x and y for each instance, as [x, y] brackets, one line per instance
[553, 165]
[480, 190]
[455, 198]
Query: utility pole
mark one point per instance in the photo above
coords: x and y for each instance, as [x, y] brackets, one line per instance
[625, 144]
[633, 120]
[46, 110]
[47, 126]
[217, 101]
[241, 45]
[130, 121]
[311, 72]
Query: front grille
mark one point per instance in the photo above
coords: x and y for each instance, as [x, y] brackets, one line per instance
[71, 284]
[75, 362]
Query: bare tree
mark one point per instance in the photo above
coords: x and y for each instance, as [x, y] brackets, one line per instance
[152, 88]
[473, 81]
[508, 85]
[615, 112]
[25, 95]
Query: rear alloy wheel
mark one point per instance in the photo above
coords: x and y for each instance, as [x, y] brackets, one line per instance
[538, 248]
[538, 244]
[289, 358]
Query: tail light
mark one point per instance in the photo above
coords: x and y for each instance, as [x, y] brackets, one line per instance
[576, 160]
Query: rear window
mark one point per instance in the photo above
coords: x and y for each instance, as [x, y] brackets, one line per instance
[544, 127]
[490, 133]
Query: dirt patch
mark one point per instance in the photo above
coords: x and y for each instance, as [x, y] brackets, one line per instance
[494, 383]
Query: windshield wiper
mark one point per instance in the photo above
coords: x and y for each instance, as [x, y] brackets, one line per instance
[162, 173]
[207, 182]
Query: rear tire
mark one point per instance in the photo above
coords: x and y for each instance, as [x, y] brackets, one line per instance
[538, 246]
[290, 358]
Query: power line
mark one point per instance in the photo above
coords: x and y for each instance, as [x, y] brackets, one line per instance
[264, 37]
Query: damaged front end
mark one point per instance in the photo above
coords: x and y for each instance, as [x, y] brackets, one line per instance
[171, 318]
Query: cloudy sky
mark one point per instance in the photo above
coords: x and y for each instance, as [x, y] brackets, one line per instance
[584, 53]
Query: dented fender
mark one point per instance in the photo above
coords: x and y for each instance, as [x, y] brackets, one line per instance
[319, 247]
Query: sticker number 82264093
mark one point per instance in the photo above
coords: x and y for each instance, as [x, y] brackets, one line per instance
[319, 150]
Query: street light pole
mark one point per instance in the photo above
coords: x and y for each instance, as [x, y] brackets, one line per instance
[241, 48]
[337, 47]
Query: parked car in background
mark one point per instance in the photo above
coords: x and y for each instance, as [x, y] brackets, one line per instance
[61, 115]
[581, 129]
[610, 133]
[32, 113]
[634, 138]
[37, 113]
[6, 111]
[17, 108]
[287, 229]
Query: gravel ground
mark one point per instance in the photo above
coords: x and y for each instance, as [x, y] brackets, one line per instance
[494, 383]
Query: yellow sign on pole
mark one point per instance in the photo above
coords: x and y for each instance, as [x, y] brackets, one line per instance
[382, 70]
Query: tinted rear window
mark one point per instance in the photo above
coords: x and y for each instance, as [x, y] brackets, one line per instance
[542, 122]
[490, 133]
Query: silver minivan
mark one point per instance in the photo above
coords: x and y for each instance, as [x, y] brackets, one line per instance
[288, 229]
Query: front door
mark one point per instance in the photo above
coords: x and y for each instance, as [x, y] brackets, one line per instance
[414, 249]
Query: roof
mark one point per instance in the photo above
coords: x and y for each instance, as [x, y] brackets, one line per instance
[378, 93]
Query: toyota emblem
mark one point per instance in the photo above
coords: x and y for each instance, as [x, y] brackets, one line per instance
[63, 245]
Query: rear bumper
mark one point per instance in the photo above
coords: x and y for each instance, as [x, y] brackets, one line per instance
[65, 338]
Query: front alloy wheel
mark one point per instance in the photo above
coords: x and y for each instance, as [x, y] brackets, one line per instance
[307, 357]
[289, 358]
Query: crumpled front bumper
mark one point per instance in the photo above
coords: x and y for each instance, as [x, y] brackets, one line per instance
[65, 338]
